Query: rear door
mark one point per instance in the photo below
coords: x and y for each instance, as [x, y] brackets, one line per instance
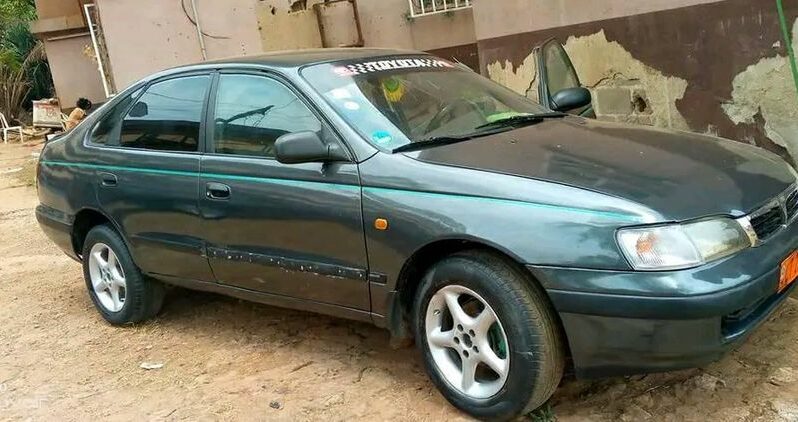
[148, 181]
[290, 230]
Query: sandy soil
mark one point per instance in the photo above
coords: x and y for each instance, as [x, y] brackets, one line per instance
[225, 359]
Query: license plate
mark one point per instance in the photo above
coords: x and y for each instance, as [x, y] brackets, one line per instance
[789, 271]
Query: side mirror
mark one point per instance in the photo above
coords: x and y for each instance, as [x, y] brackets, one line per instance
[306, 147]
[570, 99]
[140, 109]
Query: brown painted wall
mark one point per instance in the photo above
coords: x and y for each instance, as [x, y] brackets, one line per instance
[707, 45]
[46, 9]
[519, 16]
[146, 36]
[467, 54]
[384, 23]
[75, 74]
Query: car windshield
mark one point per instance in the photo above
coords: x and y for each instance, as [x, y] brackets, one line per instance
[416, 99]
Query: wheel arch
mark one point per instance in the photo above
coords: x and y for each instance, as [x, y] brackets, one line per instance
[422, 259]
[86, 219]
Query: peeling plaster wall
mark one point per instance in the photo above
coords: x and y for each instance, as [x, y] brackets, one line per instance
[767, 89]
[624, 88]
[709, 67]
[522, 79]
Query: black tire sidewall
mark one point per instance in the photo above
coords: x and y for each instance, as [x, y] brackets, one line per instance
[523, 340]
[134, 281]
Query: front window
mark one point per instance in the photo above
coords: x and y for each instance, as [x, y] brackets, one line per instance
[253, 111]
[401, 100]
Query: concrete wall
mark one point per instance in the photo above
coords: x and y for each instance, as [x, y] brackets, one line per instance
[75, 71]
[716, 67]
[46, 9]
[287, 24]
[145, 36]
[520, 16]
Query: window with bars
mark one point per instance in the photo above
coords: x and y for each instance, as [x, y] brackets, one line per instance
[431, 7]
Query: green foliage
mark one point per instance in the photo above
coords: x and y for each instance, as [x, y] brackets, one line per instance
[16, 11]
[543, 414]
[24, 71]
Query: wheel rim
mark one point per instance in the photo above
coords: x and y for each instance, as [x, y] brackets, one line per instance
[467, 342]
[107, 277]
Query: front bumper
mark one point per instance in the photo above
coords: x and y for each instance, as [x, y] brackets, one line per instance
[625, 322]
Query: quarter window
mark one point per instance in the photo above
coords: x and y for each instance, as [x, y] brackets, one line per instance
[167, 117]
[109, 123]
[253, 111]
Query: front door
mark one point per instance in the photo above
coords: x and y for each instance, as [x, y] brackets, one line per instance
[290, 230]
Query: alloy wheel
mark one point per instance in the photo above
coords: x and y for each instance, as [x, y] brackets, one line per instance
[107, 277]
[467, 342]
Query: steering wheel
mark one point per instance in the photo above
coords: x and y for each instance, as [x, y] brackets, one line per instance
[438, 119]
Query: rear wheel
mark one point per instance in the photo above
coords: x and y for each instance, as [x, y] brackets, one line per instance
[120, 292]
[488, 335]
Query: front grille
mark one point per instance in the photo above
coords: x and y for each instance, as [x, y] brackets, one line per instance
[767, 222]
[791, 204]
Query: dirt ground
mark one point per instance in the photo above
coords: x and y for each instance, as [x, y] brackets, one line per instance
[225, 359]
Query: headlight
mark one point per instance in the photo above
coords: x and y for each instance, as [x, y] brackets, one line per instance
[679, 246]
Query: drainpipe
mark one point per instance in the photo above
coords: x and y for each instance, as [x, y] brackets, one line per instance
[96, 45]
[788, 39]
[199, 30]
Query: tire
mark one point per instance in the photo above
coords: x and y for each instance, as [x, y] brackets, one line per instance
[138, 297]
[533, 352]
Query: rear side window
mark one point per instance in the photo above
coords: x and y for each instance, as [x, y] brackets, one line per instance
[105, 129]
[253, 111]
[167, 116]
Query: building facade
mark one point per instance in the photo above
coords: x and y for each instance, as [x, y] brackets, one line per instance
[711, 66]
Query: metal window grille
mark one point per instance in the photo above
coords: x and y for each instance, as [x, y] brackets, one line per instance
[431, 7]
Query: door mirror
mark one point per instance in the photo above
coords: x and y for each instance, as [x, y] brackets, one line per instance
[306, 147]
[570, 99]
[559, 87]
[139, 110]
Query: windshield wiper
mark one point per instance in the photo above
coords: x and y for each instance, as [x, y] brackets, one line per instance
[444, 140]
[522, 119]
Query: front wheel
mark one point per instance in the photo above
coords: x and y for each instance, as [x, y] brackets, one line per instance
[489, 338]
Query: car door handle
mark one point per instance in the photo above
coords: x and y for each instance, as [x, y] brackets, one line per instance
[214, 190]
[108, 179]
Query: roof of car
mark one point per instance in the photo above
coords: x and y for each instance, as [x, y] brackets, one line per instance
[297, 58]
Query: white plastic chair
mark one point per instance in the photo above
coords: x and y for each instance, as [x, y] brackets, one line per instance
[7, 128]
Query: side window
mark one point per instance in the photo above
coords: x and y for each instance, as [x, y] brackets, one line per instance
[167, 117]
[253, 111]
[109, 123]
[560, 73]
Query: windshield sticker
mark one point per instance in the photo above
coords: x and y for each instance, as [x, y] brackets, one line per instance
[382, 137]
[385, 65]
[340, 93]
[351, 105]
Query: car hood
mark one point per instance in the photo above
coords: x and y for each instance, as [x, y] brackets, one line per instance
[680, 175]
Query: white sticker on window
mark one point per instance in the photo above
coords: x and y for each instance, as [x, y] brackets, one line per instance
[340, 93]
[351, 105]
[385, 65]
